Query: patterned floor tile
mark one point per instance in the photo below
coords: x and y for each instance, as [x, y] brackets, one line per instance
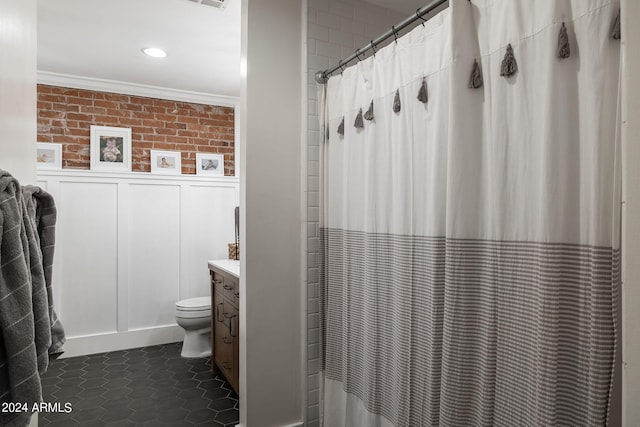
[149, 386]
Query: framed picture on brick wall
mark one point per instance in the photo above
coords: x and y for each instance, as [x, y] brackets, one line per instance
[210, 164]
[110, 148]
[49, 156]
[166, 162]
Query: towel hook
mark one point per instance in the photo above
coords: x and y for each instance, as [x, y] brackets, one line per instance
[420, 16]
[395, 33]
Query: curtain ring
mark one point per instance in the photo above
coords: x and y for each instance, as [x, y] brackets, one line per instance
[395, 33]
[358, 54]
[420, 16]
[341, 66]
[373, 47]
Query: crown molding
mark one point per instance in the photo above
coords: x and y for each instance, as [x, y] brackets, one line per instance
[103, 85]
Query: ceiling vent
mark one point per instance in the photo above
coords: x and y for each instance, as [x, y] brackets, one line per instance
[220, 4]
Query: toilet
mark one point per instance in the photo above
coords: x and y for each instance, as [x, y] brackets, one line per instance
[194, 316]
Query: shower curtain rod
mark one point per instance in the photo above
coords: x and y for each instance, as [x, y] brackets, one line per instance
[323, 76]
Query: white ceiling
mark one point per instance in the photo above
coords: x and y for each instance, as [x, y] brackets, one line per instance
[103, 39]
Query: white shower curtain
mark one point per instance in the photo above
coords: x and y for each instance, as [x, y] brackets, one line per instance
[471, 243]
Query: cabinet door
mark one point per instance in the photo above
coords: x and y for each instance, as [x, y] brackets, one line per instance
[235, 332]
[231, 289]
[214, 370]
[217, 282]
[224, 341]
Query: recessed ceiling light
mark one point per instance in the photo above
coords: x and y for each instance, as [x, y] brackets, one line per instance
[154, 52]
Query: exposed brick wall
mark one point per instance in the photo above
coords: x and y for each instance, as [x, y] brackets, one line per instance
[65, 116]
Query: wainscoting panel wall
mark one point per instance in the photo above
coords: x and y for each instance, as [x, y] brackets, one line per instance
[87, 238]
[128, 246]
[154, 256]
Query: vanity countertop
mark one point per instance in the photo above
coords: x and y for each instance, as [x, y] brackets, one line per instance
[230, 266]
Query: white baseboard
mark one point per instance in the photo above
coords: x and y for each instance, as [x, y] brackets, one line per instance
[92, 344]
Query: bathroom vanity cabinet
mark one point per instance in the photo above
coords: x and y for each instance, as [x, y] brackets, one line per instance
[225, 304]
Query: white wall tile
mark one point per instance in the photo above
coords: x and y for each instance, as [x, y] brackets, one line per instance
[313, 321]
[318, 62]
[354, 27]
[341, 38]
[318, 32]
[342, 8]
[319, 5]
[313, 274]
[328, 20]
[328, 49]
[311, 46]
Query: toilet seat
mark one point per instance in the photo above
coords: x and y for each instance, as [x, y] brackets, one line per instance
[191, 304]
[194, 308]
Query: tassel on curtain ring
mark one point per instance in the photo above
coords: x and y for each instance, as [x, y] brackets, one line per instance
[615, 32]
[359, 123]
[369, 114]
[509, 65]
[475, 79]
[563, 50]
[396, 102]
[341, 127]
[423, 96]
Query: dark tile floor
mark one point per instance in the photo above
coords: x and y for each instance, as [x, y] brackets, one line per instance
[149, 386]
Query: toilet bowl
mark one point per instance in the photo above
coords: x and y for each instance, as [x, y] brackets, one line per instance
[194, 316]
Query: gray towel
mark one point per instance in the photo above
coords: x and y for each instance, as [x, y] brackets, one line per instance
[41, 210]
[25, 325]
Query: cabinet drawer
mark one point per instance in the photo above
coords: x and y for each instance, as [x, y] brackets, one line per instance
[231, 290]
[217, 282]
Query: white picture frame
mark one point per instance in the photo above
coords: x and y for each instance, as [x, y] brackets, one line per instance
[110, 149]
[210, 164]
[166, 162]
[48, 156]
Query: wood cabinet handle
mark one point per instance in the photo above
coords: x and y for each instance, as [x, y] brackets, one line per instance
[226, 340]
[226, 366]
[227, 287]
[218, 311]
[231, 327]
[217, 282]
[237, 294]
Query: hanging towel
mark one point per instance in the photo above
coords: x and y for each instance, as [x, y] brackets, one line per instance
[24, 311]
[41, 210]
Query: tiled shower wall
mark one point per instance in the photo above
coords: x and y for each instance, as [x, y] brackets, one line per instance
[335, 30]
